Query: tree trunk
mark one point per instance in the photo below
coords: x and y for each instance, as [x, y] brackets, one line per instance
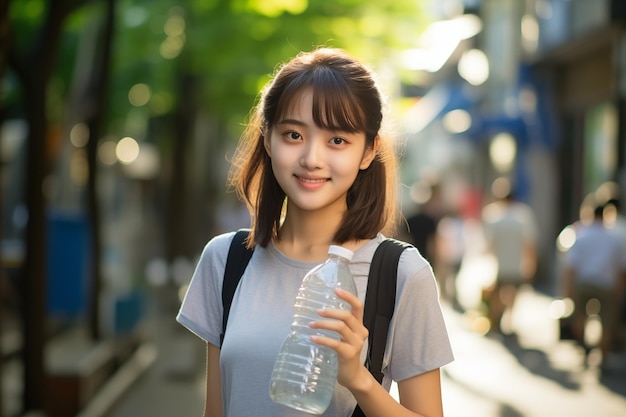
[34, 72]
[33, 283]
[98, 90]
[178, 220]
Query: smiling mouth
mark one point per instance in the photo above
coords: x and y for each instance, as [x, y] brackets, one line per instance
[313, 180]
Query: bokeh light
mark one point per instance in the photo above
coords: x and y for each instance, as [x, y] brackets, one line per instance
[474, 67]
[127, 150]
[503, 151]
[457, 121]
[139, 95]
[79, 135]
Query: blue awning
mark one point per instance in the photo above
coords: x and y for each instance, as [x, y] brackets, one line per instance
[536, 127]
[539, 126]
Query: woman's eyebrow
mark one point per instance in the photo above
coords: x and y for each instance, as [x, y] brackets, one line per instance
[291, 122]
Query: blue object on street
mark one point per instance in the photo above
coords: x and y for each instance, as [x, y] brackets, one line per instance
[67, 264]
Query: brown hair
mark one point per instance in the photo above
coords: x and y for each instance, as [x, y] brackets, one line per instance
[346, 98]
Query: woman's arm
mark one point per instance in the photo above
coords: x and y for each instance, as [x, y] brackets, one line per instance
[419, 395]
[422, 393]
[213, 400]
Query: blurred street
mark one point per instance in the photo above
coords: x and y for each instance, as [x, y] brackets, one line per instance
[533, 375]
[119, 124]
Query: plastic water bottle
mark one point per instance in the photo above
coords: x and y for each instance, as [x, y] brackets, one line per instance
[305, 373]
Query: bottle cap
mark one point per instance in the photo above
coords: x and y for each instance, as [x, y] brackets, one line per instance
[340, 251]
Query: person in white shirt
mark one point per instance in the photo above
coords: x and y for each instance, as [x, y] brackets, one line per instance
[511, 237]
[595, 268]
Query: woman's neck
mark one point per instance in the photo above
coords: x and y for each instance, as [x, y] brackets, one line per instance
[306, 235]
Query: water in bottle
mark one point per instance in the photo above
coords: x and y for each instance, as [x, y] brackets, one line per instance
[305, 373]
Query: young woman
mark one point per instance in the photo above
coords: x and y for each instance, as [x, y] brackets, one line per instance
[314, 171]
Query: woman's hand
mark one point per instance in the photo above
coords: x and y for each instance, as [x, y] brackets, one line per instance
[419, 395]
[352, 336]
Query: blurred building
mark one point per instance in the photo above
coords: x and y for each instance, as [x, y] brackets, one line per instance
[581, 53]
[529, 90]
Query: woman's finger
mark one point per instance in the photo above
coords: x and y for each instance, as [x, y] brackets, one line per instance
[342, 321]
[345, 325]
[353, 300]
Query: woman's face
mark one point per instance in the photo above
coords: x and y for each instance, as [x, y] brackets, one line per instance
[315, 167]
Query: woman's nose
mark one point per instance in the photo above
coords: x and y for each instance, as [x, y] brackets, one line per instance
[312, 155]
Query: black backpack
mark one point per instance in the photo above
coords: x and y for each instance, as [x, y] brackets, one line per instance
[380, 296]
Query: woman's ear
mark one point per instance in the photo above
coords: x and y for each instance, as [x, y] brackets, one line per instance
[370, 153]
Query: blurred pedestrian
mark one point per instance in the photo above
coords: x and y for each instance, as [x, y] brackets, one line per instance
[595, 268]
[450, 239]
[615, 220]
[314, 170]
[422, 223]
[511, 238]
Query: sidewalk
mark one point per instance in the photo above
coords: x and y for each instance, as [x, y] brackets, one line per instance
[533, 375]
[172, 384]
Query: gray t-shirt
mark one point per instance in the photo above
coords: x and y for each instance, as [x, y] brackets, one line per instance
[261, 315]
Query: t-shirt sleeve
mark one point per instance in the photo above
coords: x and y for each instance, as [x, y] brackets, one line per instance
[201, 309]
[418, 340]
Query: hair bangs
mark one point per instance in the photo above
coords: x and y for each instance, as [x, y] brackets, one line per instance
[334, 105]
[334, 110]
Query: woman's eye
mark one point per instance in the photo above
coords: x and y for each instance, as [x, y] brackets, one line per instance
[338, 141]
[294, 135]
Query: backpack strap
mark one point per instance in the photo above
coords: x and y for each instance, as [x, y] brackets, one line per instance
[238, 257]
[380, 300]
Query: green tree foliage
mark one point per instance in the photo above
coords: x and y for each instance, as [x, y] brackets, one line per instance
[231, 47]
[198, 59]
[209, 59]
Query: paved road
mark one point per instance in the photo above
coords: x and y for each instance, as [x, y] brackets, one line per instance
[533, 375]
